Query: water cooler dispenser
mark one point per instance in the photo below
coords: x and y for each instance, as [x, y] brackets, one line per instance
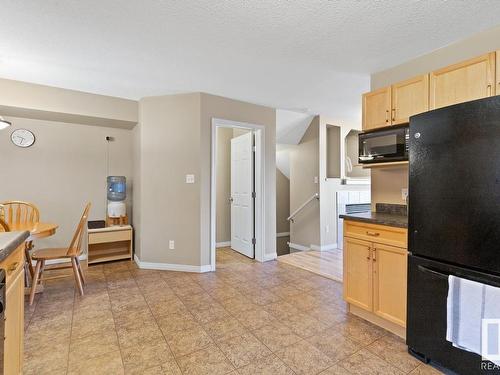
[117, 192]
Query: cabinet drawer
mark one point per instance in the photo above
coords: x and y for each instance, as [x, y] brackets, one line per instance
[13, 264]
[103, 237]
[376, 233]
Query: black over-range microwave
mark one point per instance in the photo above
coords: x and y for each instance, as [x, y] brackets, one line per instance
[385, 145]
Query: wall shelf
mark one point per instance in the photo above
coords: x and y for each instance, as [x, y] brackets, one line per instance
[386, 165]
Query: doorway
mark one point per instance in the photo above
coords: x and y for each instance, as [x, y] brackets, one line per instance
[237, 189]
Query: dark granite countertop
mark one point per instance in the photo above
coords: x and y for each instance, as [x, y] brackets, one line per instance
[391, 220]
[9, 241]
[394, 215]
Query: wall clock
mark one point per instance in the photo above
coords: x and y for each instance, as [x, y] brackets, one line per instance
[22, 138]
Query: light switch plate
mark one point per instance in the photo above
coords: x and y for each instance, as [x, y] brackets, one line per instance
[171, 245]
[190, 179]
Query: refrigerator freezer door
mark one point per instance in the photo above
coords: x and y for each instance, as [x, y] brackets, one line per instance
[454, 185]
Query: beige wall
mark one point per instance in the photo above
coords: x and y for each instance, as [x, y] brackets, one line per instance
[29, 100]
[169, 208]
[282, 202]
[64, 169]
[223, 108]
[333, 154]
[282, 212]
[175, 140]
[136, 191]
[304, 167]
[387, 184]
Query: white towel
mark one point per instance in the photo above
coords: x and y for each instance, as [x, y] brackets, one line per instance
[468, 303]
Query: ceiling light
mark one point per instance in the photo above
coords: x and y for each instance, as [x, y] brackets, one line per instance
[4, 123]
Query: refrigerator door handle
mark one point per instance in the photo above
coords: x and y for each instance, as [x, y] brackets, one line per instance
[428, 270]
[475, 279]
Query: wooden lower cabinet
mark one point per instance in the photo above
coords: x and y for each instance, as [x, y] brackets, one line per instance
[375, 277]
[358, 270]
[389, 283]
[14, 313]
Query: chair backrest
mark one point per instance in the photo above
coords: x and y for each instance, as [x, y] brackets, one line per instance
[76, 243]
[4, 227]
[17, 212]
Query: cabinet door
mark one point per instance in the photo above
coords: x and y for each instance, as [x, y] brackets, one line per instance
[14, 326]
[358, 273]
[409, 98]
[462, 82]
[376, 109]
[389, 279]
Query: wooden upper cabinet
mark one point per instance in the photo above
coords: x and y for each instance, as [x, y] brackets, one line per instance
[409, 98]
[376, 108]
[389, 283]
[462, 82]
[358, 273]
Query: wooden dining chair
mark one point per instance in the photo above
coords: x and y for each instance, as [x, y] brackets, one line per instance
[4, 227]
[18, 213]
[72, 252]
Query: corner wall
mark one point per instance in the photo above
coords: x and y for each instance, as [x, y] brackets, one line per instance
[169, 208]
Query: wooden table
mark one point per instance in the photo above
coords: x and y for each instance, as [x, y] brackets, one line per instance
[37, 230]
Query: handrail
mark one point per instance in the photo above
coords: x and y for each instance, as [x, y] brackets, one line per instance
[302, 206]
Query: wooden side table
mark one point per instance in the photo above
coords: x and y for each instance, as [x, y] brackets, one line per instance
[110, 243]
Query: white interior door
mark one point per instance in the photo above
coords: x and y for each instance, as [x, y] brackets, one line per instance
[242, 207]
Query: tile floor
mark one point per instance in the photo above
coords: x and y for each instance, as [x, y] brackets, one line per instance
[246, 318]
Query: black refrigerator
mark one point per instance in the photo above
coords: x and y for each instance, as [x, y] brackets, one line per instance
[453, 220]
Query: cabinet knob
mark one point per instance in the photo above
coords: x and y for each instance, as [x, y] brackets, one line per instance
[393, 114]
[387, 116]
[373, 234]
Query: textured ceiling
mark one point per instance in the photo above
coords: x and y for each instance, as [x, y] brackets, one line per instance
[308, 54]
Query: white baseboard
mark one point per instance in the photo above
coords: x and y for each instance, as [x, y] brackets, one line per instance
[324, 247]
[223, 244]
[296, 246]
[271, 256]
[171, 267]
[283, 234]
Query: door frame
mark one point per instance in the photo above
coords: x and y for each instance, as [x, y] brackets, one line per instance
[259, 181]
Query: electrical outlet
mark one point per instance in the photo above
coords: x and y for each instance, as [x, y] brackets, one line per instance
[315, 179]
[327, 228]
[190, 179]
[171, 244]
[404, 194]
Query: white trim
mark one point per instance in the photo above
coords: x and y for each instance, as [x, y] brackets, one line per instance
[260, 172]
[171, 267]
[268, 257]
[223, 244]
[324, 247]
[296, 246]
[282, 234]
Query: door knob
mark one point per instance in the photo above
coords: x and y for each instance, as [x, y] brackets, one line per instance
[231, 199]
